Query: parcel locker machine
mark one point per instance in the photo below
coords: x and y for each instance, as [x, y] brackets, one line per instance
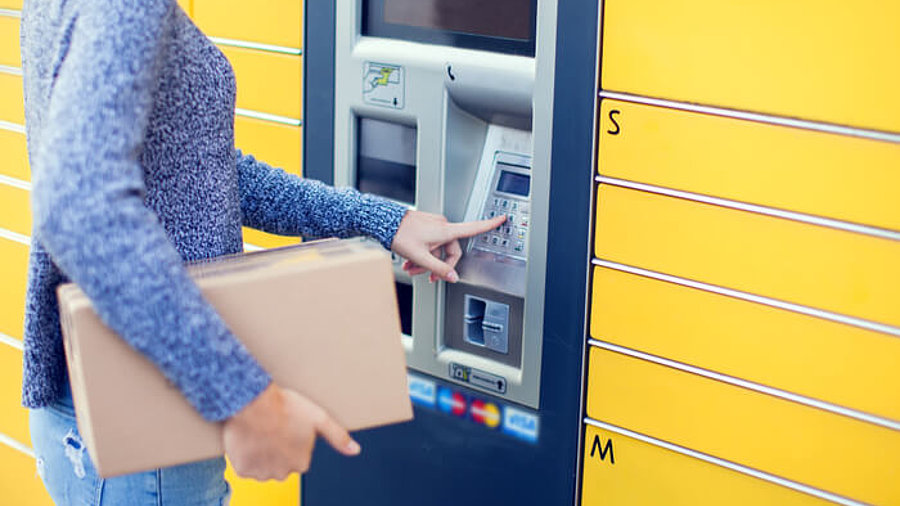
[450, 106]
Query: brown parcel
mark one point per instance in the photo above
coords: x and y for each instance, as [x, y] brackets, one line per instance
[321, 318]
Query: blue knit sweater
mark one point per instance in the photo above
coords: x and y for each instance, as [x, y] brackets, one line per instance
[130, 113]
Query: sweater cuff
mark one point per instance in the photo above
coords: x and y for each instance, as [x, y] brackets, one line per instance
[235, 386]
[380, 218]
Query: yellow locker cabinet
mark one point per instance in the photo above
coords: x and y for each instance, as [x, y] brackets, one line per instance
[797, 442]
[11, 4]
[13, 272]
[15, 156]
[278, 22]
[837, 363]
[845, 178]
[622, 471]
[829, 269]
[829, 60]
[9, 42]
[267, 82]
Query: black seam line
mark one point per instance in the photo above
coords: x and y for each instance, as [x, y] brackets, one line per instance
[757, 299]
[710, 459]
[809, 219]
[860, 416]
[802, 124]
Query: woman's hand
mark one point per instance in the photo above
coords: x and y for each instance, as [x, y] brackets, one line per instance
[430, 243]
[274, 435]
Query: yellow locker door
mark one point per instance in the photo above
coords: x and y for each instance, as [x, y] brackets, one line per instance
[808, 445]
[13, 417]
[277, 22]
[267, 82]
[273, 143]
[9, 42]
[828, 60]
[14, 161]
[15, 209]
[822, 174]
[834, 270]
[821, 359]
[622, 471]
[13, 272]
[12, 102]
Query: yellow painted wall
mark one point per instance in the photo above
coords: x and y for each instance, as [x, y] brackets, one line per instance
[275, 142]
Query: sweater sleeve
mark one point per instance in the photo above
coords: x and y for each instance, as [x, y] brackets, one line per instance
[90, 215]
[280, 203]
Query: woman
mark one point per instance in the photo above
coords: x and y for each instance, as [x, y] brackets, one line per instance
[130, 134]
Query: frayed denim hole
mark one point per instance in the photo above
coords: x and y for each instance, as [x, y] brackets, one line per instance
[75, 452]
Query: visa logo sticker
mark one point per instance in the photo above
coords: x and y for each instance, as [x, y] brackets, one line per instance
[422, 391]
[520, 424]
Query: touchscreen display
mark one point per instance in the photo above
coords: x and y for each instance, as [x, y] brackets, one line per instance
[495, 18]
[514, 183]
[505, 26]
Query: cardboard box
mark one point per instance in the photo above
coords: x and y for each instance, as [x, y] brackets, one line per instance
[320, 317]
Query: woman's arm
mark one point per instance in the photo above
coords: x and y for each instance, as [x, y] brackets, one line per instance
[90, 216]
[280, 203]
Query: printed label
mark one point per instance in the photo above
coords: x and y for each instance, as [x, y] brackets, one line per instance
[384, 85]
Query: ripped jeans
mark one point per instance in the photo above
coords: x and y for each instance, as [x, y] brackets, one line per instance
[69, 476]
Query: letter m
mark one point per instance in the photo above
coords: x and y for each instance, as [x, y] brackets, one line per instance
[604, 449]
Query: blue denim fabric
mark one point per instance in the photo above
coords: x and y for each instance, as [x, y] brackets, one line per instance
[66, 469]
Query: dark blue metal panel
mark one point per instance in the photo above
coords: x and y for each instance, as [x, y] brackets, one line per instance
[437, 460]
[318, 90]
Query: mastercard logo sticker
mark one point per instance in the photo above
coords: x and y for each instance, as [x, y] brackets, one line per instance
[485, 413]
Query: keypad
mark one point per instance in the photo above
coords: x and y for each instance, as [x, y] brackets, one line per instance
[511, 237]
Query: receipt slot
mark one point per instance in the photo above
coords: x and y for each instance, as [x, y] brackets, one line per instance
[448, 106]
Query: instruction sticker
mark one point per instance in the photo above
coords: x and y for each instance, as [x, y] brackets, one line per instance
[384, 85]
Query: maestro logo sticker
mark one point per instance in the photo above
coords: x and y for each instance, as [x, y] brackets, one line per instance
[451, 402]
